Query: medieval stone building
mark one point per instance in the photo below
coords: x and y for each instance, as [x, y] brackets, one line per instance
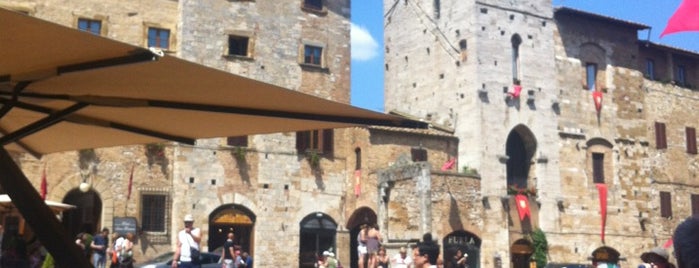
[600, 113]
[591, 125]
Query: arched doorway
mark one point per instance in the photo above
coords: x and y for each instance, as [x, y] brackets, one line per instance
[86, 216]
[362, 215]
[317, 235]
[521, 253]
[465, 241]
[520, 148]
[605, 257]
[232, 218]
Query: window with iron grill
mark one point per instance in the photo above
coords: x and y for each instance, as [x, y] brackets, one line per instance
[153, 211]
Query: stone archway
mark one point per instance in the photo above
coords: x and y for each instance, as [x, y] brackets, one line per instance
[465, 241]
[317, 234]
[232, 218]
[362, 215]
[87, 213]
[520, 148]
[100, 187]
[520, 253]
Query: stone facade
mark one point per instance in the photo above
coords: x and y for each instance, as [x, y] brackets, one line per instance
[447, 62]
[551, 138]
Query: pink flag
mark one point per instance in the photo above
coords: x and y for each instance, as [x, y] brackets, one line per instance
[685, 18]
[44, 184]
[449, 164]
[128, 195]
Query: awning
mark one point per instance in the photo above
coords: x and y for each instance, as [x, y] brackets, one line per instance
[63, 89]
[7, 205]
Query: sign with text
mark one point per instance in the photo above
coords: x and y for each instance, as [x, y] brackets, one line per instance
[123, 225]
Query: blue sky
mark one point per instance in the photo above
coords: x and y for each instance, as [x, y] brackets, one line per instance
[367, 37]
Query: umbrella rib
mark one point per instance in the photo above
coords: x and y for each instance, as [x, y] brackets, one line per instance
[132, 102]
[87, 120]
[23, 145]
[48, 121]
[8, 105]
[138, 56]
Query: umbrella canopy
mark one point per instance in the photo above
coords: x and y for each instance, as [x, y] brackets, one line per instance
[6, 204]
[63, 89]
[110, 93]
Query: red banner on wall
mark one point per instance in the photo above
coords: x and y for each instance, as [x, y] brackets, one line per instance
[602, 189]
[522, 203]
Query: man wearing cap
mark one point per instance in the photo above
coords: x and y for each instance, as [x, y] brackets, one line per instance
[402, 260]
[657, 258]
[186, 252]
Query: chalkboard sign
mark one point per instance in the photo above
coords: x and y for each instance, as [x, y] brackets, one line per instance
[123, 225]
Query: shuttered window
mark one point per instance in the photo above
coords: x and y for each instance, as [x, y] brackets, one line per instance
[598, 167]
[691, 140]
[320, 141]
[238, 141]
[665, 205]
[695, 205]
[660, 139]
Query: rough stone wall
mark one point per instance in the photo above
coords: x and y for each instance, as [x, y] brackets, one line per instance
[634, 170]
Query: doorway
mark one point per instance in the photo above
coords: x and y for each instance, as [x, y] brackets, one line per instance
[232, 218]
[86, 217]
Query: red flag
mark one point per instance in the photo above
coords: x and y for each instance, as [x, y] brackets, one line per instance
[128, 195]
[602, 189]
[449, 164]
[685, 18]
[597, 98]
[357, 182]
[44, 184]
[522, 203]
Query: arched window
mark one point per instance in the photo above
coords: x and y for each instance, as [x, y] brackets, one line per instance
[317, 235]
[520, 147]
[516, 41]
[358, 158]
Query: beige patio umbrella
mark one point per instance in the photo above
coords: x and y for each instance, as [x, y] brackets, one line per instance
[63, 89]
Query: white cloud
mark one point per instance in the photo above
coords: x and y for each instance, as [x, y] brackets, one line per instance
[364, 47]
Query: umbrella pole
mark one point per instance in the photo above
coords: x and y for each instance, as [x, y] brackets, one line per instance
[37, 214]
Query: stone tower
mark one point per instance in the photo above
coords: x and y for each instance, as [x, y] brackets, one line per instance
[453, 63]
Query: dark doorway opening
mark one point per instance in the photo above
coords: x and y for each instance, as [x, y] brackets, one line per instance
[318, 232]
[363, 215]
[86, 215]
[232, 218]
[520, 148]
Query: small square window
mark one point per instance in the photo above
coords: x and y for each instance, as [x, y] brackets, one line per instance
[159, 38]
[92, 26]
[238, 45]
[313, 4]
[312, 55]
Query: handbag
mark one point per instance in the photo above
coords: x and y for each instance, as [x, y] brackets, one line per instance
[194, 253]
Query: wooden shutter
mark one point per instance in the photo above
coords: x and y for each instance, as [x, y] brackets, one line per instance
[328, 142]
[660, 139]
[665, 205]
[239, 141]
[691, 140]
[302, 139]
[598, 167]
[695, 205]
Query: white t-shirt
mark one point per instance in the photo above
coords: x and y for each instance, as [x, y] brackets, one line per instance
[187, 241]
[399, 262]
